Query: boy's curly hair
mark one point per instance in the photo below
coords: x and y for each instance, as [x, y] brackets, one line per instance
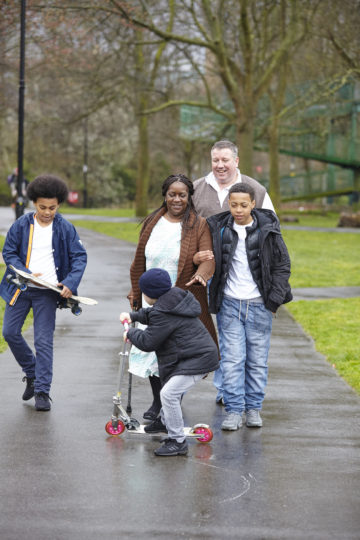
[48, 186]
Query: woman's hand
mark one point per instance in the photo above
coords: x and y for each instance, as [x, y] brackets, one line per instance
[196, 278]
[202, 256]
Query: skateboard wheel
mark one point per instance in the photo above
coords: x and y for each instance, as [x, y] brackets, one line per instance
[109, 428]
[76, 310]
[203, 434]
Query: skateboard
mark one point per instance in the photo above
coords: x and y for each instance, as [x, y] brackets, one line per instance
[21, 280]
[120, 420]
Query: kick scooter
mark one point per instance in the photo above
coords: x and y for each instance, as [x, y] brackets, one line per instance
[120, 420]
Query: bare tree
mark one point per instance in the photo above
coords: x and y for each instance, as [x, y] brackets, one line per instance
[244, 50]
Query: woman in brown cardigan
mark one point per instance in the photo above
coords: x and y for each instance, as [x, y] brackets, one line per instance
[173, 237]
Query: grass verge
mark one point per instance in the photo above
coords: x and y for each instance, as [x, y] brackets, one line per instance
[108, 212]
[334, 325]
[123, 231]
[323, 259]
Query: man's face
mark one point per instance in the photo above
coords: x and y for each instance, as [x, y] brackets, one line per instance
[224, 166]
[46, 210]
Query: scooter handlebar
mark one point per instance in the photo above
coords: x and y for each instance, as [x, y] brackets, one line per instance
[126, 325]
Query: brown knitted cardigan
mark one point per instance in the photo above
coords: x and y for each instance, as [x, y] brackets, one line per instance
[196, 239]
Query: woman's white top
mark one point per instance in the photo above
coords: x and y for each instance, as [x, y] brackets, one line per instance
[162, 250]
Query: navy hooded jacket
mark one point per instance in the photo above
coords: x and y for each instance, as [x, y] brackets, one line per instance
[182, 344]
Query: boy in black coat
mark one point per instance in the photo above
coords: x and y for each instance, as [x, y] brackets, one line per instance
[251, 281]
[184, 349]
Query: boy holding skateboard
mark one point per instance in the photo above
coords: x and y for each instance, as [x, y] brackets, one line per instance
[42, 243]
[251, 281]
[184, 348]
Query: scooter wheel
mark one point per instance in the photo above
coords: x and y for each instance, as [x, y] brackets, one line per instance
[109, 428]
[205, 433]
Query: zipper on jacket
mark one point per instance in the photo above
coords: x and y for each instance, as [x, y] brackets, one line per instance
[28, 255]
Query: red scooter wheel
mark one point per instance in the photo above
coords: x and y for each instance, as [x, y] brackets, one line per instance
[120, 428]
[206, 434]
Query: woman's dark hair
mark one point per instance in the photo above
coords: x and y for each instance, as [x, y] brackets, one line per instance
[190, 206]
[47, 186]
[242, 187]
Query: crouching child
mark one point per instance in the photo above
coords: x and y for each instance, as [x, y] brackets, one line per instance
[185, 350]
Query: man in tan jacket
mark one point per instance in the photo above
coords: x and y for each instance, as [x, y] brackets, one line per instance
[211, 193]
[211, 196]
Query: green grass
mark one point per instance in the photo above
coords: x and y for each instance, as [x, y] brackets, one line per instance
[323, 259]
[312, 220]
[109, 212]
[334, 325]
[124, 231]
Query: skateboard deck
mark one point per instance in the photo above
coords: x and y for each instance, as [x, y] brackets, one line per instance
[25, 277]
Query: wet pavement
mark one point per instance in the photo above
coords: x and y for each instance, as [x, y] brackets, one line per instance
[62, 477]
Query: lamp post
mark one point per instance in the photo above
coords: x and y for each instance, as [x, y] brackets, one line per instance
[85, 166]
[19, 207]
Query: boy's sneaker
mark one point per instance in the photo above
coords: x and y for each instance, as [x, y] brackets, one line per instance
[171, 447]
[253, 418]
[42, 401]
[29, 390]
[232, 421]
[156, 427]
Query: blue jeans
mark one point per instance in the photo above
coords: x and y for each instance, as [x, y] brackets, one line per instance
[40, 364]
[244, 336]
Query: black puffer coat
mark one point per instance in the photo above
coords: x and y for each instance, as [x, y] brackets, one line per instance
[182, 344]
[267, 255]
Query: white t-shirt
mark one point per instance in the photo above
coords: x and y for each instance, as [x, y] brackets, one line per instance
[42, 257]
[240, 284]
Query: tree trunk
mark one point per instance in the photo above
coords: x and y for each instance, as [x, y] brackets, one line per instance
[274, 187]
[142, 177]
[245, 141]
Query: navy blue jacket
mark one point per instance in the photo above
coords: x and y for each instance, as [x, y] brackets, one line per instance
[267, 255]
[182, 344]
[69, 254]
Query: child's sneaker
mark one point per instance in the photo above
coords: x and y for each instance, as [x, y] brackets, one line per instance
[232, 421]
[253, 418]
[171, 447]
[156, 427]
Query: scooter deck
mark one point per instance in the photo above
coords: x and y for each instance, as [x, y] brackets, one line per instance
[188, 431]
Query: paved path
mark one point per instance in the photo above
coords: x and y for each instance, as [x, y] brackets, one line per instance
[62, 478]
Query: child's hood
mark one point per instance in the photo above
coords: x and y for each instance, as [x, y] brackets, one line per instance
[178, 302]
